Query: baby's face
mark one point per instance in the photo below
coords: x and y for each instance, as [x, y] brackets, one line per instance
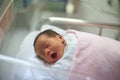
[50, 49]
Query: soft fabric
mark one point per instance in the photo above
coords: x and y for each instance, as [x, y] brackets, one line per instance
[86, 57]
[95, 58]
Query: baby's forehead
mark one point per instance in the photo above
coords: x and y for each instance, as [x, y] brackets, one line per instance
[41, 39]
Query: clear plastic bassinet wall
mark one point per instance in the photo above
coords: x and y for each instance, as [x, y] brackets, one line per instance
[20, 17]
[6, 16]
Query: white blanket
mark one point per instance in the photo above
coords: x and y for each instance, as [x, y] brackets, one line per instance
[57, 71]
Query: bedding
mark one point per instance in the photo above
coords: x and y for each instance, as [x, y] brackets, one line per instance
[95, 58]
[86, 57]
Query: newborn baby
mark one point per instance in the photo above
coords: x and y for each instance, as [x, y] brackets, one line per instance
[49, 46]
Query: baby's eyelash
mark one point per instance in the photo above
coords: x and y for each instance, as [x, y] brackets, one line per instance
[47, 45]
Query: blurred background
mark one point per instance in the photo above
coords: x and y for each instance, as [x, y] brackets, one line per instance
[20, 17]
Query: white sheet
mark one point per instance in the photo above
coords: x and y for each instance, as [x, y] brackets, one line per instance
[58, 71]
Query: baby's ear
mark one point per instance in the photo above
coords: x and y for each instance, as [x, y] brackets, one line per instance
[59, 37]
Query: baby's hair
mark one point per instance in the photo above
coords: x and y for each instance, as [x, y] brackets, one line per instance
[49, 33]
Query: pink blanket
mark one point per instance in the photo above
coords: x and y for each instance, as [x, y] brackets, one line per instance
[96, 58]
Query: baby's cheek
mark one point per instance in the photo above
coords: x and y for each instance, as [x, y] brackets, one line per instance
[56, 48]
[53, 48]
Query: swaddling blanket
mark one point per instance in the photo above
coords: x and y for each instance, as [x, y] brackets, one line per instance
[95, 58]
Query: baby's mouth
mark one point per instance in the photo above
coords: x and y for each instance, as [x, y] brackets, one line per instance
[54, 55]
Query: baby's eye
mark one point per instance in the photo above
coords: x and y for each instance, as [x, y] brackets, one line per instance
[48, 44]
